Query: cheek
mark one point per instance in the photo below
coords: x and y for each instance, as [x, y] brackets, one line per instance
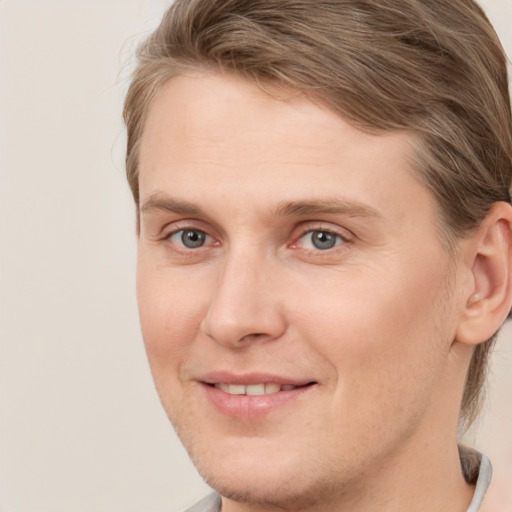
[170, 314]
[379, 332]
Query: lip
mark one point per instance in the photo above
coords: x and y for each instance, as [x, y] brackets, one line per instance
[251, 378]
[252, 406]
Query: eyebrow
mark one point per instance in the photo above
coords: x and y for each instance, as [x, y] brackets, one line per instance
[350, 208]
[160, 202]
[337, 206]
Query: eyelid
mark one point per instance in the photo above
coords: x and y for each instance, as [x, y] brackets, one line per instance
[344, 234]
[188, 225]
[207, 239]
[180, 225]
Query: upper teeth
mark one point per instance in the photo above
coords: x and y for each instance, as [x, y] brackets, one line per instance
[254, 389]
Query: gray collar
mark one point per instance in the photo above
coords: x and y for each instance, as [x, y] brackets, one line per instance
[477, 471]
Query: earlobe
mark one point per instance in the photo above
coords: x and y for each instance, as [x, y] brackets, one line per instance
[490, 299]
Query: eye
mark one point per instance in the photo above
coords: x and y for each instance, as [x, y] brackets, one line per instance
[190, 238]
[321, 240]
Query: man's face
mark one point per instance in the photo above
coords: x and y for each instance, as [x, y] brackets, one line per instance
[295, 300]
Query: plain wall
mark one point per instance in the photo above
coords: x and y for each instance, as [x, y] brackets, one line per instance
[81, 428]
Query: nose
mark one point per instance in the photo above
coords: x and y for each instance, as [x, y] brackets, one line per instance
[244, 307]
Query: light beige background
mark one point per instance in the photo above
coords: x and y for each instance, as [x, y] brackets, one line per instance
[81, 429]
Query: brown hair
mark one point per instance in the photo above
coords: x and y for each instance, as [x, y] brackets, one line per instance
[434, 68]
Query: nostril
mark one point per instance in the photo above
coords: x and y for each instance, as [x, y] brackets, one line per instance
[253, 337]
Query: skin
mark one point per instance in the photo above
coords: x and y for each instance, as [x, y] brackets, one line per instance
[371, 321]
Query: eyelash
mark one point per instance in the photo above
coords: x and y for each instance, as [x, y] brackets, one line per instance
[336, 238]
[169, 237]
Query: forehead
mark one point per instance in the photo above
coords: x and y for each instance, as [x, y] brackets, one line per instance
[201, 103]
[219, 136]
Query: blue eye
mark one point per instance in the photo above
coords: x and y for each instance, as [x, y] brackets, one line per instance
[190, 238]
[321, 240]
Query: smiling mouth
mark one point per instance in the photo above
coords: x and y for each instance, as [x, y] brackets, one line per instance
[257, 389]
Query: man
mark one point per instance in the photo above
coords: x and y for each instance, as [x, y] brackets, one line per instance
[322, 190]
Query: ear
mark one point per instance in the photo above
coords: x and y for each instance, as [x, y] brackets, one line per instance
[489, 298]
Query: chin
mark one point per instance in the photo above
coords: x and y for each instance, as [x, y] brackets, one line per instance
[278, 481]
[289, 494]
